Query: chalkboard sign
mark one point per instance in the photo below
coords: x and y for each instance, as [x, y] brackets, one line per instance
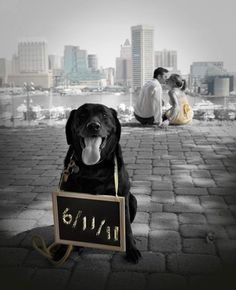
[87, 220]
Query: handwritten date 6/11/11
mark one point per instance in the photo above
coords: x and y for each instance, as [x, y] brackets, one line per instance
[90, 224]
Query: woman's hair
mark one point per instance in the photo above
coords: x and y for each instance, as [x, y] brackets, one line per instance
[178, 81]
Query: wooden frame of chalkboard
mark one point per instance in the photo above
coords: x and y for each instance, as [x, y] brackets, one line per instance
[87, 220]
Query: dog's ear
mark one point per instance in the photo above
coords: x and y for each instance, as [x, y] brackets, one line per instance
[118, 125]
[69, 127]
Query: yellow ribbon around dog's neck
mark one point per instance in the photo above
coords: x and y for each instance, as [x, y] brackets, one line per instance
[116, 176]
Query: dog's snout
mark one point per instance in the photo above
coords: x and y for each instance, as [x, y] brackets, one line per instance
[94, 126]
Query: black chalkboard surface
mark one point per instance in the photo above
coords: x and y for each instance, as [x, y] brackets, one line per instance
[96, 221]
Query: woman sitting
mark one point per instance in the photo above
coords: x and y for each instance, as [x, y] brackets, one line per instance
[180, 112]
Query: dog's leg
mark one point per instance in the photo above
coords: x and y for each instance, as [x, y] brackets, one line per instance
[132, 253]
[132, 207]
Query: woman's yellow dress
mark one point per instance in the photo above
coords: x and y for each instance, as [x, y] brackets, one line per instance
[185, 114]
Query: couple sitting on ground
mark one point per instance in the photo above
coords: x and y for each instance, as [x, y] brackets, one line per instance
[148, 109]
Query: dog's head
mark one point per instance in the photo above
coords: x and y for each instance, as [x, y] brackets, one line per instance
[94, 131]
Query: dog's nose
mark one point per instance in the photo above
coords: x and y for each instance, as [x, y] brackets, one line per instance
[95, 126]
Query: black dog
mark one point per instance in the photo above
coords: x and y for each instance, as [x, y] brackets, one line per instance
[93, 133]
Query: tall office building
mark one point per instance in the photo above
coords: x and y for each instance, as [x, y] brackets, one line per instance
[76, 67]
[31, 65]
[5, 70]
[92, 61]
[33, 57]
[142, 54]
[124, 65]
[167, 59]
[55, 62]
[75, 60]
[211, 78]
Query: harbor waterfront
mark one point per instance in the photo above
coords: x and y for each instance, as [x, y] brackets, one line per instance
[45, 106]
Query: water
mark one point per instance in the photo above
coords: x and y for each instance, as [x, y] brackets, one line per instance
[9, 104]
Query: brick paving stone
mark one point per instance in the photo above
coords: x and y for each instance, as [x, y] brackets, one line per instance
[87, 280]
[166, 281]
[142, 217]
[31, 214]
[231, 230]
[192, 218]
[179, 207]
[126, 281]
[143, 172]
[216, 281]
[150, 262]
[12, 256]
[164, 221]
[17, 225]
[204, 182]
[227, 251]
[143, 161]
[16, 278]
[222, 191]
[140, 166]
[156, 185]
[140, 183]
[198, 246]
[164, 241]
[10, 211]
[213, 202]
[161, 170]
[146, 178]
[162, 196]
[201, 231]
[201, 173]
[47, 279]
[46, 219]
[187, 199]
[11, 239]
[146, 205]
[41, 204]
[191, 191]
[220, 217]
[140, 190]
[193, 263]
[161, 163]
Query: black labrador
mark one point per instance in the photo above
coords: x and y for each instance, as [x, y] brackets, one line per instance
[93, 133]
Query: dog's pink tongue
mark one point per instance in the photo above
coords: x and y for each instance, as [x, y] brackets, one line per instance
[91, 152]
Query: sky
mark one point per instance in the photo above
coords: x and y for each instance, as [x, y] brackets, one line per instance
[200, 30]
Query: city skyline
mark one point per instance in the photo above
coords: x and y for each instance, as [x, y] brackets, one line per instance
[197, 32]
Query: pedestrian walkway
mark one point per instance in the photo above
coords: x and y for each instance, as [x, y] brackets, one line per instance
[184, 179]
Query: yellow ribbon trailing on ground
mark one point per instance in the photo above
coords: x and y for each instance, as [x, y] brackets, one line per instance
[40, 246]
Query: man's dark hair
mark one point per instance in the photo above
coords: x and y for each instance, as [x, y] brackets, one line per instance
[159, 71]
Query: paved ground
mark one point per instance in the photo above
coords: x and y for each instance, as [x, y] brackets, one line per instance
[184, 180]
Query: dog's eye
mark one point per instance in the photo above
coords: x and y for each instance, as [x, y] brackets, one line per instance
[104, 116]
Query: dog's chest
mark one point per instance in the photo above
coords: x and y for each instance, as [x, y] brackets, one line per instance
[92, 181]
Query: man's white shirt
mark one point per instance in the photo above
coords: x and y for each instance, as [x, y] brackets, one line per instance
[149, 101]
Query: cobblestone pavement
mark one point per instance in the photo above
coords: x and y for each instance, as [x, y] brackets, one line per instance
[184, 180]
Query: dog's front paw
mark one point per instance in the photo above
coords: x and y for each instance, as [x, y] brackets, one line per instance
[133, 255]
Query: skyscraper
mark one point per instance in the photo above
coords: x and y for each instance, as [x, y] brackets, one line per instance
[124, 65]
[75, 60]
[142, 54]
[167, 59]
[33, 57]
[92, 61]
[31, 64]
[76, 67]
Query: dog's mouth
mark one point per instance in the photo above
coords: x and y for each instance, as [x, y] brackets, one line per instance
[91, 149]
